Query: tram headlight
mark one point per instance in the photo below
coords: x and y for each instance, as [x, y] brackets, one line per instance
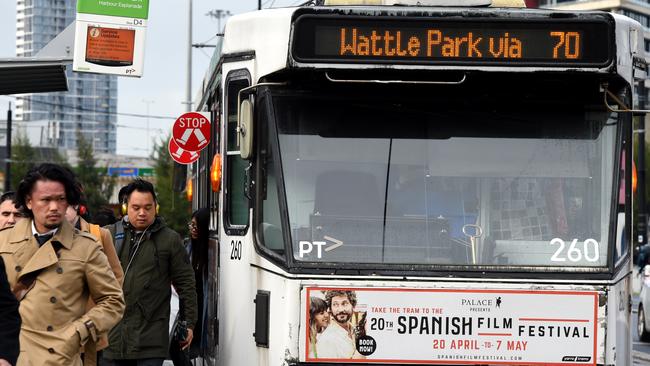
[215, 173]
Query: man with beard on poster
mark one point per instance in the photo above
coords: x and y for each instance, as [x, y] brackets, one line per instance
[338, 340]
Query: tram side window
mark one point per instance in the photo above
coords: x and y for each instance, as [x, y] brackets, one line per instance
[236, 201]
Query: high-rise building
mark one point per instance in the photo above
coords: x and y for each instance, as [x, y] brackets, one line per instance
[90, 104]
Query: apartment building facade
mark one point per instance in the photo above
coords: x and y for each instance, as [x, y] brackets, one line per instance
[90, 105]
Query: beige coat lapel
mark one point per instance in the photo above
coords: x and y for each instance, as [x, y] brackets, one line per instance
[26, 245]
[43, 258]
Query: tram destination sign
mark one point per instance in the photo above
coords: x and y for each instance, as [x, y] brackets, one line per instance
[549, 42]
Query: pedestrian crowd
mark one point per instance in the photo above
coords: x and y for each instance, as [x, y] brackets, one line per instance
[73, 292]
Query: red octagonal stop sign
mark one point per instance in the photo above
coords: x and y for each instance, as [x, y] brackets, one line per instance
[181, 155]
[192, 131]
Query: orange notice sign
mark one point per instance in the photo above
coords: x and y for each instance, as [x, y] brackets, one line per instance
[110, 46]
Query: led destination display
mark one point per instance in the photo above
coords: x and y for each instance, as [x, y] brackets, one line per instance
[446, 41]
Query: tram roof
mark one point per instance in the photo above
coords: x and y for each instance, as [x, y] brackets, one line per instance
[31, 75]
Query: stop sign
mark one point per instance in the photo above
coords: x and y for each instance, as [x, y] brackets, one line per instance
[191, 131]
[181, 155]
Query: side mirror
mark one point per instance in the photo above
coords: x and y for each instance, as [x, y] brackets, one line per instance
[245, 129]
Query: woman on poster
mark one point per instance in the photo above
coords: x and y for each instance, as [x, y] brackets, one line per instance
[319, 319]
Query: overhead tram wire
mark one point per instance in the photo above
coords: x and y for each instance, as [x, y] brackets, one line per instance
[82, 109]
[29, 125]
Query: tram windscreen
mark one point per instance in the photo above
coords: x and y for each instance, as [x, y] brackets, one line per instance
[430, 177]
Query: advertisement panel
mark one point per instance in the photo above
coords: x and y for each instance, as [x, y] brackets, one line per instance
[449, 326]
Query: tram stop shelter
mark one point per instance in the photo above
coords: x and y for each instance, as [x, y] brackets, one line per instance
[33, 75]
[45, 72]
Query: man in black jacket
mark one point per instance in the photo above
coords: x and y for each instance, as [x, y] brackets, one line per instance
[9, 321]
[153, 259]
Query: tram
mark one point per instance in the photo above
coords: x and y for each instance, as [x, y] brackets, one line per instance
[420, 182]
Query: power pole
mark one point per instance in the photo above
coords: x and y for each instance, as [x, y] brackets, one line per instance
[180, 170]
[8, 150]
[218, 14]
[188, 86]
[148, 103]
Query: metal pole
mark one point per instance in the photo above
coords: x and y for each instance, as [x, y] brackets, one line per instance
[259, 4]
[148, 103]
[188, 90]
[180, 170]
[8, 161]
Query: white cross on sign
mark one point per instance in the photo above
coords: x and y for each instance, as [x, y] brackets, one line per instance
[191, 131]
[181, 155]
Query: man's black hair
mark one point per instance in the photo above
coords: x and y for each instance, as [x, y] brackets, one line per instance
[45, 172]
[104, 216]
[121, 195]
[9, 195]
[141, 186]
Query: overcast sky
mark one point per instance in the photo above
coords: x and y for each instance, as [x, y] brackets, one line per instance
[162, 86]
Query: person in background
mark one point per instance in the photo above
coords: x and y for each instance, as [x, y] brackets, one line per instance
[9, 321]
[74, 216]
[644, 257]
[54, 270]
[104, 216]
[198, 251]
[153, 259]
[9, 213]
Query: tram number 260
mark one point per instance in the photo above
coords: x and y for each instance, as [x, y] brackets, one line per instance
[235, 250]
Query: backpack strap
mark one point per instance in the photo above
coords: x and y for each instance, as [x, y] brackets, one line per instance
[94, 231]
[118, 237]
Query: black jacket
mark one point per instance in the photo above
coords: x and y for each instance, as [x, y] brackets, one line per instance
[159, 262]
[9, 320]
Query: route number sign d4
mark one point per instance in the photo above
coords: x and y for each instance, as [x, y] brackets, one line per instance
[191, 131]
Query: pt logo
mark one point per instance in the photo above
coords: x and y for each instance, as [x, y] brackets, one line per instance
[191, 131]
[307, 247]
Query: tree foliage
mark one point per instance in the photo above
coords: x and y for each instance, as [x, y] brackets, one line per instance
[174, 208]
[98, 185]
[23, 158]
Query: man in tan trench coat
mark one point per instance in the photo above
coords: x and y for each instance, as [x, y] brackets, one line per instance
[53, 270]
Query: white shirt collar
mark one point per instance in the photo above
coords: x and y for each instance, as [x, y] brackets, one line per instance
[34, 232]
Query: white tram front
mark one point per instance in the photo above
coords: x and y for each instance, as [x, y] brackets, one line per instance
[453, 183]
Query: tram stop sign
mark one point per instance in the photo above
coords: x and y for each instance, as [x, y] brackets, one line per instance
[181, 155]
[191, 131]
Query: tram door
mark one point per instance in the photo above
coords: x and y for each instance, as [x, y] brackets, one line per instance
[234, 240]
[211, 291]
